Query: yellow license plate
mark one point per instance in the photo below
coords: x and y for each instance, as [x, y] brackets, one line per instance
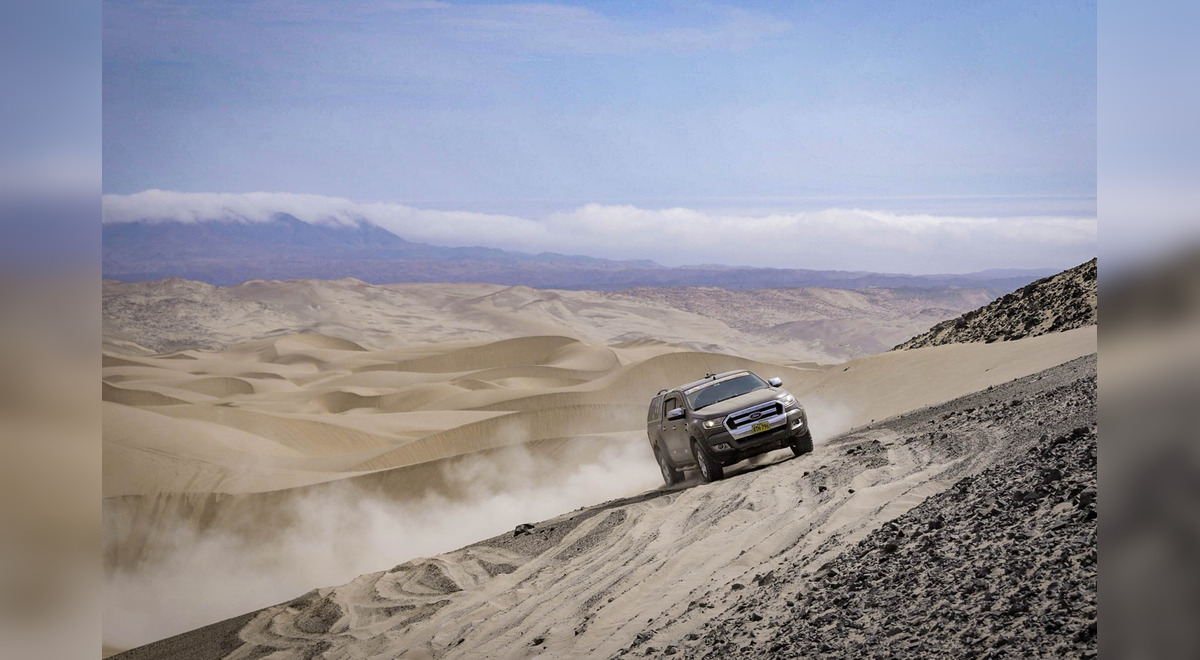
[760, 427]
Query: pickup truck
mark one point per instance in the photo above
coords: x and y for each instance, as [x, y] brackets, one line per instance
[721, 419]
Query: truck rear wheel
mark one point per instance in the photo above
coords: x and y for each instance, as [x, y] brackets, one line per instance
[670, 475]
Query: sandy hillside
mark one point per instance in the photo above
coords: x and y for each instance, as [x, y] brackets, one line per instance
[244, 476]
[856, 548]
[788, 326]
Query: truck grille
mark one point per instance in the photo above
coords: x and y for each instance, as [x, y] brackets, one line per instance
[751, 415]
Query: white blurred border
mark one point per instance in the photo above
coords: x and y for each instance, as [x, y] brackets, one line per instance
[50, 108]
[1149, 189]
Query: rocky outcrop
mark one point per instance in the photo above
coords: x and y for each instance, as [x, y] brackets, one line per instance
[1054, 304]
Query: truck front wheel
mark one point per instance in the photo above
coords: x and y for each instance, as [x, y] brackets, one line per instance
[803, 444]
[710, 470]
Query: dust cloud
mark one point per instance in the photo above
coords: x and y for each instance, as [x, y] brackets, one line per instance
[827, 419]
[342, 533]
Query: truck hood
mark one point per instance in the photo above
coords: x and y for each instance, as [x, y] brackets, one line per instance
[739, 402]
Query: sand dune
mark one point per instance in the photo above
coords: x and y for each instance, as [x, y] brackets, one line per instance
[114, 361]
[317, 341]
[834, 325]
[136, 397]
[310, 438]
[147, 454]
[218, 386]
[881, 386]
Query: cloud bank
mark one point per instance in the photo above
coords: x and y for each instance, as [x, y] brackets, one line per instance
[830, 239]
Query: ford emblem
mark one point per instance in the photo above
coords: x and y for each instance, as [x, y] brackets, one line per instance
[755, 415]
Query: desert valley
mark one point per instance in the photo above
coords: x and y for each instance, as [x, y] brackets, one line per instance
[267, 442]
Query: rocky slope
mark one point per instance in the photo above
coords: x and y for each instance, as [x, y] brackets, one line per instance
[963, 529]
[1061, 302]
[1001, 565]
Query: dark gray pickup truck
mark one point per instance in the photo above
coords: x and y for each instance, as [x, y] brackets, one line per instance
[721, 419]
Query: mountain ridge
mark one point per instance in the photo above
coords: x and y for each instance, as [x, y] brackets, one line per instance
[232, 250]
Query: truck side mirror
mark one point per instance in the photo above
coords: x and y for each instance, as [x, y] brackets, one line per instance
[775, 382]
[674, 414]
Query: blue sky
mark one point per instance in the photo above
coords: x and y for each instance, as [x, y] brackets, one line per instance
[528, 110]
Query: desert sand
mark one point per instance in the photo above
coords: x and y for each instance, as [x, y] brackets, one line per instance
[783, 325]
[243, 475]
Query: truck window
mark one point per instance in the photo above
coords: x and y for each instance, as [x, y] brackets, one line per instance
[655, 410]
[670, 404]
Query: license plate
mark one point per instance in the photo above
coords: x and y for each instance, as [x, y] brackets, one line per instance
[760, 427]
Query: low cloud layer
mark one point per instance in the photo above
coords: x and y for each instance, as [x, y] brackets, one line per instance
[831, 239]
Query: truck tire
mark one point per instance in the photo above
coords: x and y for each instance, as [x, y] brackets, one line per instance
[670, 475]
[803, 444]
[710, 470]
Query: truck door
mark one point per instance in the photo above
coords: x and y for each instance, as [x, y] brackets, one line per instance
[674, 433]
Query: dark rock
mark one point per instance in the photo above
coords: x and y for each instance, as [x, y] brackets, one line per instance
[765, 579]
[1051, 475]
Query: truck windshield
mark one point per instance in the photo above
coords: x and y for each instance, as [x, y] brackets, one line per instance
[724, 389]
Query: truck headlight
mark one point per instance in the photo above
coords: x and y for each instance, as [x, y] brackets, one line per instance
[788, 400]
[712, 423]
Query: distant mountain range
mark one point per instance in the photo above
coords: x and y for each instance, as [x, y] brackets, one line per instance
[230, 251]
